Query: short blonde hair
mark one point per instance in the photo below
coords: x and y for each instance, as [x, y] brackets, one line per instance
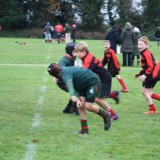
[144, 39]
[107, 41]
[82, 47]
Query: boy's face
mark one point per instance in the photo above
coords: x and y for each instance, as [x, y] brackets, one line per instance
[142, 46]
[74, 53]
[107, 45]
[80, 54]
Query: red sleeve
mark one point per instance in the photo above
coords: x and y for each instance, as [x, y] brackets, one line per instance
[115, 60]
[156, 71]
[149, 63]
[104, 59]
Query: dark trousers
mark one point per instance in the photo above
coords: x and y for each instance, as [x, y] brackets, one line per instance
[127, 59]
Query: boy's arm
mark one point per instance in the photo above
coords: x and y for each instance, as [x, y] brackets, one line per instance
[150, 64]
[156, 72]
[115, 61]
[72, 90]
[104, 59]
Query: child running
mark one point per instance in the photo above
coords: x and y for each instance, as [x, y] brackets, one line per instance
[111, 59]
[148, 64]
[92, 63]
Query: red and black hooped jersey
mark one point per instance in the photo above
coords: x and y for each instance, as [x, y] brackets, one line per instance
[94, 64]
[110, 58]
[148, 62]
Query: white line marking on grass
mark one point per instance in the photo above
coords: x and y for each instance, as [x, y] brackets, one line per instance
[45, 79]
[43, 89]
[30, 151]
[31, 147]
[46, 65]
[36, 120]
[40, 100]
[25, 65]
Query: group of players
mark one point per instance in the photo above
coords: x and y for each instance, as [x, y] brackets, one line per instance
[91, 82]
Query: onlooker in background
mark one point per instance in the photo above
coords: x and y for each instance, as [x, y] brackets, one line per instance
[113, 36]
[136, 52]
[126, 40]
[48, 32]
[73, 33]
[0, 28]
[119, 29]
[59, 31]
[67, 30]
[157, 35]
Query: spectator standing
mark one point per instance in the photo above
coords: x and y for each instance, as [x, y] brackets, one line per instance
[67, 30]
[126, 40]
[157, 35]
[113, 36]
[48, 32]
[73, 32]
[119, 29]
[136, 52]
[59, 31]
[0, 28]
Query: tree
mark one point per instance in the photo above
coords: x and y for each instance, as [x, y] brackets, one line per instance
[151, 12]
[124, 9]
[90, 13]
[11, 14]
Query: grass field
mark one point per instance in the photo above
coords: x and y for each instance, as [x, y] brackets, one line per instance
[33, 127]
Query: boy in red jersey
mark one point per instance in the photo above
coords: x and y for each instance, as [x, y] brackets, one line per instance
[92, 63]
[148, 64]
[110, 58]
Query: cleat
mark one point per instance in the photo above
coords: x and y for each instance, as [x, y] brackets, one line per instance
[75, 110]
[117, 96]
[67, 110]
[150, 112]
[107, 121]
[114, 117]
[124, 90]
[82, 132]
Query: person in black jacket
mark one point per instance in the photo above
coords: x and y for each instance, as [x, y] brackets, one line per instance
[157, 35]
[113, 36]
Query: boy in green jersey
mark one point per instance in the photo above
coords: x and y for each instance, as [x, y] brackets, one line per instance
[83, 86]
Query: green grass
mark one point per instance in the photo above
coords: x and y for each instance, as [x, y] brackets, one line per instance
[27, 91]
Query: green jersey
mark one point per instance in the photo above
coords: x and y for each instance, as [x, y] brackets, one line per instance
[66, 61]
[78, 79]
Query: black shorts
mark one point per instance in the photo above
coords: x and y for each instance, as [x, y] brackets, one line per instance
[149, 82]
[106, 89]
[114, 73]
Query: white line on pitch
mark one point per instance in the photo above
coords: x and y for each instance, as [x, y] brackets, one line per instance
[30, 151]
[31, 147]
[45, 65]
